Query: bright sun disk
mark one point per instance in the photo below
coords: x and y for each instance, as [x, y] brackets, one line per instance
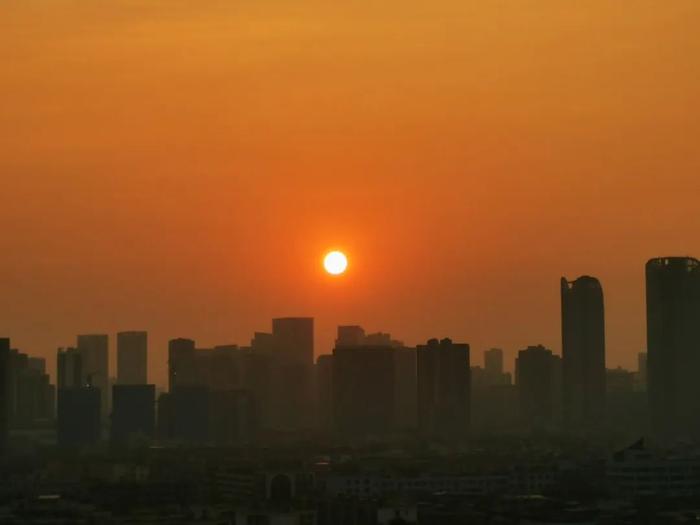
[335, 262]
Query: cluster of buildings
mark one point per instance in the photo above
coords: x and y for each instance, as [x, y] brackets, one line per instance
[373, 387]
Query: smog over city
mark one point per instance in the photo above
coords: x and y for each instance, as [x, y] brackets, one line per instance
[349, 263]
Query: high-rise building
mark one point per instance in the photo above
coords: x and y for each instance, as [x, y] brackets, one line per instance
[183, 414]
[444, 387]
[350, 335]
[364, 379]
[132, 358]
[493, 373]
[30, 396]
[37, 363]
[673, 346]
[4, 388]
[293, 341]
[406, 387]
[258, 377]
[641, 379]
[232, 417]
[324, 392]
[181, 363]
[94, 351]
[538, 374]
[69, 367]
[493, 361]
[583, 353]
[619, 381]
[133, 413]
[294, 338]
[79, 417]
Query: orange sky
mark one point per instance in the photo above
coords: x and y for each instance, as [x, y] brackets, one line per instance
[181, 166]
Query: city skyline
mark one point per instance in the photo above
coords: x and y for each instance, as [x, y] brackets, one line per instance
[159, 372]
[179, 165]
[371, 263]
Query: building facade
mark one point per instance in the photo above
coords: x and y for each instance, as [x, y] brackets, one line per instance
[583, 353]
[132, 358]
[673, 347]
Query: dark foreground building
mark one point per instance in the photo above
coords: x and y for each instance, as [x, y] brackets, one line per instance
[4, 387]
[364, 379]
[132, 358]
[78, 417]
[673, 342]
[443, 389]
[583, 353]
[538, 379]
[133, 413]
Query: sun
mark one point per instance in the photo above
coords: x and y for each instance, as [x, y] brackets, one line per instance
[335, 262]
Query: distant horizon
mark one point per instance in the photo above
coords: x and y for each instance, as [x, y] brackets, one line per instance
[476, 354]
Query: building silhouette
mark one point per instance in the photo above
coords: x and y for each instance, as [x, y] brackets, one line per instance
[641, 377]
[406, 387]
[294, 338]
[79, 417]
[293, 365]
[538, 379]
[183, 414]
[181, 363]
[260, 369]
[4, 388]
[215, 392]
[493, 365]
[364, 389]
[493, 396]
[232, 417]
[444, 389]
[133, 413]
[350, 335]
[94, 351]
[583, 353]
[324, 392]
[69, 368]
[673, 346]
[493, 372]
[30, 396]
[132, 358]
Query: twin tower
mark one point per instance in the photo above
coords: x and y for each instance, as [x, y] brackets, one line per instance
[673, 349]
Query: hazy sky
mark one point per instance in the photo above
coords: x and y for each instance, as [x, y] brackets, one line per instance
[181, 166]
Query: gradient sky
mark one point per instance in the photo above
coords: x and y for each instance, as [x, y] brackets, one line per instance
[181, 166]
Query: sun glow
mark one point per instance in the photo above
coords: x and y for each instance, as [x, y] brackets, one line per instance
[335, 263]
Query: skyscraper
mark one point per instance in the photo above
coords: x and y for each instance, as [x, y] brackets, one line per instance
[493, 368]
[78, 411]
[133, 412]
[4, 387]
[69, 367]
[443, 388]
[641, 371]
[673, 346]
[324, 392]
[294, 338]
[350, 335]
[406, 387]
[583, 352]
[364, 379]
[31, 397]
[493, 361]
[537, 381]
[94, 351]
[132, 358]
[181, 363]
